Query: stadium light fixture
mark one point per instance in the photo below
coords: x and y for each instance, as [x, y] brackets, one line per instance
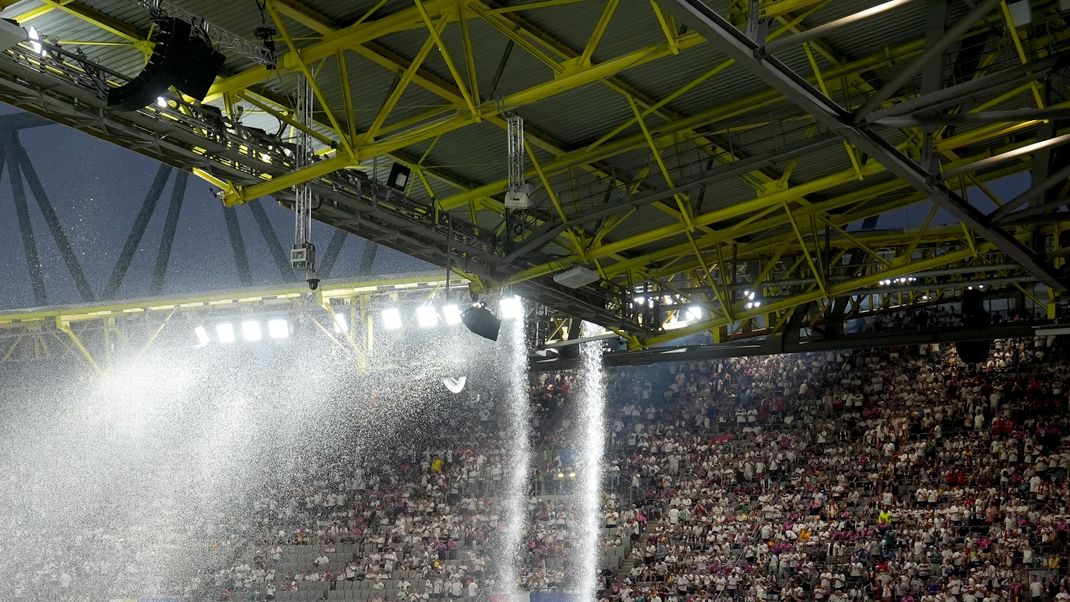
[693, 313]
[452, 314]
[225, 332]
[391, 318]
[250, 331]
[35, 41]
[340, 323]
[511, 308]
[202, 335]
[278, 328]
[426, 316]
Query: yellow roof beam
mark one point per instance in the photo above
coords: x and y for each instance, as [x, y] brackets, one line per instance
[341, 39]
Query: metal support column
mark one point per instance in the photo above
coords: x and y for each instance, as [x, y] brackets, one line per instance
[167, 239]
[338, 239]
[29, 245]
[282, 262]
[237, 245]
[137, 231]
[53, 223]
[367, 258]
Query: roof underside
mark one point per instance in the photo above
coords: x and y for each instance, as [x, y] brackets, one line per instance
[721, 180]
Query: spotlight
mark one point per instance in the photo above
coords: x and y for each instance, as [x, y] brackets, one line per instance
[250, 330]
[35, 41]
[161, 102]
[452, 314]
[511, 308]
[694, 313]
[267, 40]
[482, 322]
[399, 177]
[225, 332]
[202, 335]
[391, 318]
[278, 328]
[340, 324]
[426, 316]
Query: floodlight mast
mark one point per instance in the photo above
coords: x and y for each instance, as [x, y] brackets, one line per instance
[303, 253]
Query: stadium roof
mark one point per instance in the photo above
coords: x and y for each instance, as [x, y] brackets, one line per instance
[685, 151]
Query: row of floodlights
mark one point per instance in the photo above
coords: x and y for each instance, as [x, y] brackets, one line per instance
[427, 316]
[694, 312]
[251, 331]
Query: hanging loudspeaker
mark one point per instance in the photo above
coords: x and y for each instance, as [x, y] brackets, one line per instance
[199, 69]
[171, 39]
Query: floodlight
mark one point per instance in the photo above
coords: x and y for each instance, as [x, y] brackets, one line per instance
[340, 324]
[202, 335]
[278, 328]
[481, 321]
[35, 41]
[250, 330]
[391, 318]
[426, 316]
[452, 314]
[161, 102]
[511, 308]
[225, 332]
[693, 313]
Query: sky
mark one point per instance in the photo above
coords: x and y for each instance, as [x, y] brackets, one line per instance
[97, 189]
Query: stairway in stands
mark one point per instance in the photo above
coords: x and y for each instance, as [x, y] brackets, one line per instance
[634, 558]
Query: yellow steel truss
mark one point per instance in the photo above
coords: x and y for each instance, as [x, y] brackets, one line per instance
[782, 208]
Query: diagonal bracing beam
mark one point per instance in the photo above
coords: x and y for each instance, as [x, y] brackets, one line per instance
[137, 231]
[798, 91]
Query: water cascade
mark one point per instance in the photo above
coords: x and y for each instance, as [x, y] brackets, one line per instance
[515, 501]
[592, 400]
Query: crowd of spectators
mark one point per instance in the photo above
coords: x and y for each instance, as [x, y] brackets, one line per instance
[894, 474]
[881, 475]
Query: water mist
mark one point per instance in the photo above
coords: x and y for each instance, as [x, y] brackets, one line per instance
[592, 401]
[515, 499]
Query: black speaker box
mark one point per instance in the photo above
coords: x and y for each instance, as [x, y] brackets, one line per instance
[164, 67]
[201, 66]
